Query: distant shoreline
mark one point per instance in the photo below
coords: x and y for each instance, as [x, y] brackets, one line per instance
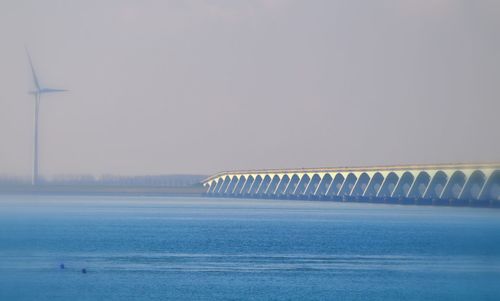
[195, 190]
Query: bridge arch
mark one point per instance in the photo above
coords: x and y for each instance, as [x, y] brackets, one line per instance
[454, 186]
[263, 186]
[404, 185]
[255, 185]
[248, 183]
[491, 190]
[361, 185]
[336, 185]
[273, 185]
[225, 184]
[220, 181]
[292, 185]
[374, 185]
[323, 185]
[302, 185]
[389, 184]
[473, 186]
[213, 184]
[239, 185]
[348, 185]
[282, 185]
[313, 185]
[419, 185]
[436, 186]
[232, 184]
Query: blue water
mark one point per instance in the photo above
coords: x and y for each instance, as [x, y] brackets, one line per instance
[152, 248]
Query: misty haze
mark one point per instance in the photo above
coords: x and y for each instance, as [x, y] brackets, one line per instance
[250, 150]
[204, 86]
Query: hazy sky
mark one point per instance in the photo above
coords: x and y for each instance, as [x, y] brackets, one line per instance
[203, 86]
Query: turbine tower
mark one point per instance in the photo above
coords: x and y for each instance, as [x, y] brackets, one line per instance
[38, 92]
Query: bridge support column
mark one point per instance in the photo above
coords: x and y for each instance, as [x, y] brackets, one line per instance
[323, 186]
[347, 186]
[419, 186]
[225, 185]
[220, 181]
[312, 186]
[211, 188]
[255, 186]
[360, 187]
[271, 190]
[292, 185]
[263, 186]
[453, 188]
[232, 186]
[280, 191]
[472, 188]
[490, 193]
[335, 187]
[435, 187]
[403, 188]
[388, 186]
[373, 186]
[301, 187]
[246, 188]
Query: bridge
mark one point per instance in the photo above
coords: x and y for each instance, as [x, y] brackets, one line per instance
[445, 184]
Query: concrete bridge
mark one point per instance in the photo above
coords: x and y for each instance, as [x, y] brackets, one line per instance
[451, 184]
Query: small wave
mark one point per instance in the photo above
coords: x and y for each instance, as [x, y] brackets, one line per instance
[185, 262]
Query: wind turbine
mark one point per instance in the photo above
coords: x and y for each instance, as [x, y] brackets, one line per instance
[38, 92]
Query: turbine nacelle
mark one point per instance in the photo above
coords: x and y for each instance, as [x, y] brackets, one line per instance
[38, 88]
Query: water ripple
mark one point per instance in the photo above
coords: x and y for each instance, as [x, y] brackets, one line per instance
[182, 262]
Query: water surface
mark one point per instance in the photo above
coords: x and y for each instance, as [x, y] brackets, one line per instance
[154, 248]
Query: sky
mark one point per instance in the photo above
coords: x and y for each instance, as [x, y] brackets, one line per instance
[169, 87]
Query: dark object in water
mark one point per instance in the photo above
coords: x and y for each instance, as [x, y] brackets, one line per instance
[84, 271]
[61, 266]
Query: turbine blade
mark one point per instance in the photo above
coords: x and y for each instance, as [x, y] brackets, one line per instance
[50, 90]
[35, 79]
